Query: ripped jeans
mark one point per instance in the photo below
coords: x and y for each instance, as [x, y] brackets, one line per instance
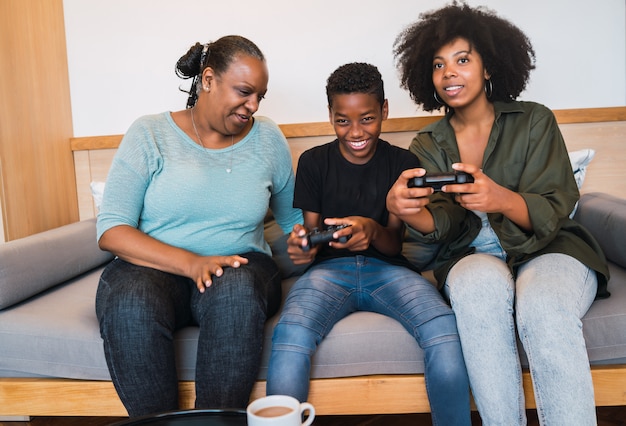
[544, 306]
[335, 288]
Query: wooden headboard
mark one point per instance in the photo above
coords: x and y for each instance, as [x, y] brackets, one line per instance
[602, 129]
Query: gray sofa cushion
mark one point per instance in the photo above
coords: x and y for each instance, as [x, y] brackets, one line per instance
[604, 324]
[56, 334]
[28, 268]
[605, 217]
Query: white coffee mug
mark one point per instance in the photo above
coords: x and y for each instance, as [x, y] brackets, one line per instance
[279, 410]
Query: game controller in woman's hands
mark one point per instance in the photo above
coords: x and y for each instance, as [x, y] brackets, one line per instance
[438, 180]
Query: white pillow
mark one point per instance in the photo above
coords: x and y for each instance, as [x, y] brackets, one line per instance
[97, 189]
[580, 160]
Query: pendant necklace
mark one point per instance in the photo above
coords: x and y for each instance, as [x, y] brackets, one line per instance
[232, 142]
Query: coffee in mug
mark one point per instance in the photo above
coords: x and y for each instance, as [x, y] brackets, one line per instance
[275, 411]
[279, 410]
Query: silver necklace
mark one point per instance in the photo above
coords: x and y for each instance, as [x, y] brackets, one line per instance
[232, 142]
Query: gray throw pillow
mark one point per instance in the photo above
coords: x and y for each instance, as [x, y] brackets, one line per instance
[35, 263]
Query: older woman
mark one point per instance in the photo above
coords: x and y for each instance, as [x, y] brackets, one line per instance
[183, 211]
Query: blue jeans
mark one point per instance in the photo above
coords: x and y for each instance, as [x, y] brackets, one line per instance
[335, 288]
[544, 305]
[140, 308]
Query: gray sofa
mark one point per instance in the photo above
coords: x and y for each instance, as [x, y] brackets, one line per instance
[48, 326]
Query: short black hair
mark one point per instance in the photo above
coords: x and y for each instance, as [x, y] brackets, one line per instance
[355, 77]
[507, 53]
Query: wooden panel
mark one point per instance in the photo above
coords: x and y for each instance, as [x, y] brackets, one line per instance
[303, 130]
[59, 397]
[95, 142]
[39, 187]
[590, 115]
[383, 394]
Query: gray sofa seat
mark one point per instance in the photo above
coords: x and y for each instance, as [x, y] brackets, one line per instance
[54, 332]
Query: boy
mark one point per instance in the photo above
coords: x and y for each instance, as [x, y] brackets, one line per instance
[345, 182]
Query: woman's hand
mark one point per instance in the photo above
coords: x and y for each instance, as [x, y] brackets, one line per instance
[483, 195]
[405, 202]
[487, 196]
[408, 204]
[205, 267]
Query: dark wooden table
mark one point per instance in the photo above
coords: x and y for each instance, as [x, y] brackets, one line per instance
[190, 418]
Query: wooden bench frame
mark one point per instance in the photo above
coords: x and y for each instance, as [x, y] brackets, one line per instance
[382, 394]
[379, 394]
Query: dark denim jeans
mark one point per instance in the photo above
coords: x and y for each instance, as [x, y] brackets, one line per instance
[140, 308]
[335, 288]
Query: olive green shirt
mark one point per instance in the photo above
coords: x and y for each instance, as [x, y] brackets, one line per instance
[526, 154]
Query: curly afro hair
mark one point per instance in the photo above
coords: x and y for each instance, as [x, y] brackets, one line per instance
[356, 77]
[507, 53]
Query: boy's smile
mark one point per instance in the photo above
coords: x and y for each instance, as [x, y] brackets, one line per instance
[357, 119]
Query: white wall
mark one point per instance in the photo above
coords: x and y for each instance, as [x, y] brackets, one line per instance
[122, 53]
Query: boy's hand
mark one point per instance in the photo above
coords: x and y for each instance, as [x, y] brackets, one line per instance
[404, 201]
[361, 232]
[295, 244]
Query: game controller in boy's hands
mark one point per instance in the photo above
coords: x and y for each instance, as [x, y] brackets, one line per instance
[325, 236]
[438, 180]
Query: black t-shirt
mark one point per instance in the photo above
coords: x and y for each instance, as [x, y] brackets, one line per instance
[328, 184]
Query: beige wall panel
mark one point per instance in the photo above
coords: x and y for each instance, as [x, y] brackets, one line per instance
[607, 171]
[86, 207]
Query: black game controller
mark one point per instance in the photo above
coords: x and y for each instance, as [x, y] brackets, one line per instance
[438, 180]
[321, 237]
